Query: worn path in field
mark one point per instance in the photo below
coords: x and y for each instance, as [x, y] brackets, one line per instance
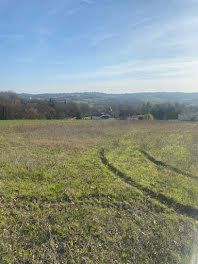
[163, 164]
[169, 202]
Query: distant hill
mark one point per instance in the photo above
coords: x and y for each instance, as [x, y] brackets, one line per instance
[102, 98]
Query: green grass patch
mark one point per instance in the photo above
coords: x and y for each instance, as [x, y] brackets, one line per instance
[59, 203]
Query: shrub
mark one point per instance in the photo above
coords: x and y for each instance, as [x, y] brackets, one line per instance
[148, 117]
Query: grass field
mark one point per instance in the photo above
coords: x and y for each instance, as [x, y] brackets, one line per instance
[98, 192]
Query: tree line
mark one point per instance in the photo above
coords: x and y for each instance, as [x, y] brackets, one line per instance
[13, 106]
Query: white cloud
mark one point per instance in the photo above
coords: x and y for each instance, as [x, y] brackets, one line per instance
[64, 6]
[163, 76]
[136, 76]
[140, 22]
[124, 86]
[151, 69]
[103, 37]
[160, 35]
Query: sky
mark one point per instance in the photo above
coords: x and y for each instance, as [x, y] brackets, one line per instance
[111, 46]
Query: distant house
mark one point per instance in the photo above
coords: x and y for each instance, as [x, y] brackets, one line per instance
[70, 118]
[96, 118]
[135, 117]
[189, 116]
[87, 118]
[102, 117]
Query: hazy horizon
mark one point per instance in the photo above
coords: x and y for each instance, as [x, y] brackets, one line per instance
[92, 92]
[99, 46]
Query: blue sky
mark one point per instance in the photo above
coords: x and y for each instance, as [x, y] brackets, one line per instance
[113, 46]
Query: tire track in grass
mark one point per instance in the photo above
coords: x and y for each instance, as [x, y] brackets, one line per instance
[187, 210]
[163, 164]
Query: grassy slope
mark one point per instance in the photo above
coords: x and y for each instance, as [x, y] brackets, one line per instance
[61, 204]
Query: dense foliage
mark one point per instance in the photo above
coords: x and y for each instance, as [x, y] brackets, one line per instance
[12, 106]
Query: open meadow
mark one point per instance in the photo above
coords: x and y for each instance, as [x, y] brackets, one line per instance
[98, 192]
